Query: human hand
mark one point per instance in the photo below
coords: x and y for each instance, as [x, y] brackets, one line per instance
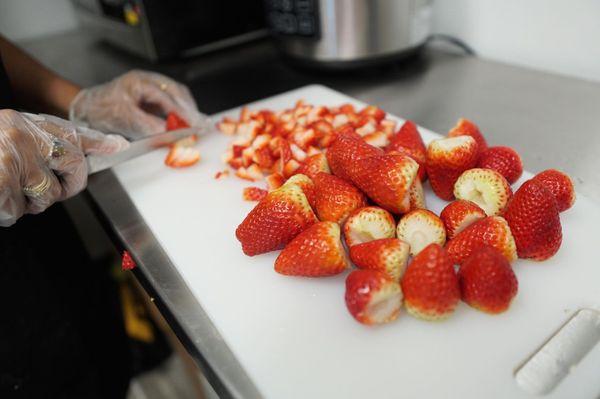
[42, 160]
[121, 105]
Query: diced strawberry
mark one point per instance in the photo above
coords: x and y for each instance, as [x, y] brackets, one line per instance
[227, 126]
[254, 194]
[181, 157]
[127, 263]
[175, 122]
[314, 165]
[274, 181]
[221, 174]
[376, 139]
[263, 158]
[297, 153]
[373, 111]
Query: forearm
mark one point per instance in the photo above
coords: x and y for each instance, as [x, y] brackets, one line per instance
[36, 87]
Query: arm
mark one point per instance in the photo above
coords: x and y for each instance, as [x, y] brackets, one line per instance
[36, 87]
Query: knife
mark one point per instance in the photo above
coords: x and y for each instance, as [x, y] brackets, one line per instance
[142, 146]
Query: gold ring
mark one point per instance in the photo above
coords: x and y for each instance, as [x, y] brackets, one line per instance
[39, 190]
[163, 86]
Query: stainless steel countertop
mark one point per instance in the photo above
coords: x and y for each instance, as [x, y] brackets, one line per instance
[551, 120]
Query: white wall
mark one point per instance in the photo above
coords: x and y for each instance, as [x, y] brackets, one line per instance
[553, 35]
[24, 19]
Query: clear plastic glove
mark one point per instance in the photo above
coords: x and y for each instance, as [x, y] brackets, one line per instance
[123, 105]
[42, 160]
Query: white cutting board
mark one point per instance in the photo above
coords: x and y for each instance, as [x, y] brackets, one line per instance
[294, 336]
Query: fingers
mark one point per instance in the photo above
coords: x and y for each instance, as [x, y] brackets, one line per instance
[94, 142]
[41, 189]
[68, 163]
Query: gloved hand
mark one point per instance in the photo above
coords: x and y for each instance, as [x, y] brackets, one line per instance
[42, 160]
[121, 105]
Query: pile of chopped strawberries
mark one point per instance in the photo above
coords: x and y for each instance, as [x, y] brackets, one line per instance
[276, 144]
[367, 200]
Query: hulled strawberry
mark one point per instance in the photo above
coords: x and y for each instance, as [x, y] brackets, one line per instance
[503, 160]
[313, 165]
[388, 255]
[460, 214]
[447, 159]
[306, 184]
[533, 217]
[372, 297]
[346, 148]
[368, 224]
[408, 141]
[416, 196]
[487, 281]
[419, 228]
[275, 221]
[465, 127]
[336, 198]
[315, 252]
[386, 180]
[485, 187]
[430, 284]
[561, 186]
[492, 231]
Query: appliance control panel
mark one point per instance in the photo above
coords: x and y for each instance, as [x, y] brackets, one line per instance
[293, 17]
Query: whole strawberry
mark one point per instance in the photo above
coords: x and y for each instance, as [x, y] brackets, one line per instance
[447, 159]
[503, 160]
[346, 148]
[315, 252]
[460, 214]
[276, 220]
[465, 127]
[372, 297]
[430, 285]
[561, 186]
[336, 198]
[388, 255]
[492, 231]
[408, 141]
[368, 224]
[487, 281]
[533, 217]
[386, 179]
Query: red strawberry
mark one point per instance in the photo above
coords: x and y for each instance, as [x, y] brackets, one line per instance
[274, 181]
[315, 252]
[503, 160]
[460, 214]
[465, 127]
[430, 285]
[533, 217]
[335, 198]
[368, 224]
[485, 187]
[487, 282]
[388, 255]
[416, 196]
[181, 156]
[127, 263]
[346, 148]
[408, 141]
[275, 221]
[447, 159]
[254, 194]
[561, 186]
[491, 230]
[386, 179]
[372, 297]
[419, 228]
[313, 165]
[175, 122]
[306, 184]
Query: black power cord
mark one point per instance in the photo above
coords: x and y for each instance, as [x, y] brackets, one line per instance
[452, 40]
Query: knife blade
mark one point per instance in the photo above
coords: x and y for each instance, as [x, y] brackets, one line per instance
[97, 163]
